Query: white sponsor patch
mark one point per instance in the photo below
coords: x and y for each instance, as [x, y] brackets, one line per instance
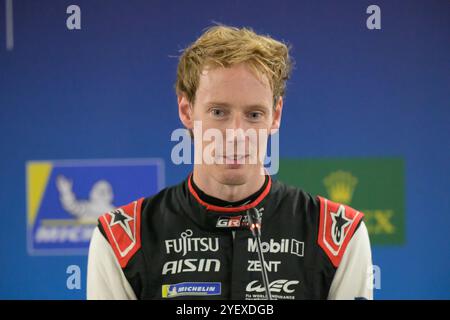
[271, 266]
[280, 289]
[191, 265]
[291, 246]
[186, 243]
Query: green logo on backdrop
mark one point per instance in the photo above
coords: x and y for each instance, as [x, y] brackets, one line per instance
[373, 186]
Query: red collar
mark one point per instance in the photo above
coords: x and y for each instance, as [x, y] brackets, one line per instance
[211, 207]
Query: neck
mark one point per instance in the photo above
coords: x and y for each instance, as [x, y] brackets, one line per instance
[231, 193]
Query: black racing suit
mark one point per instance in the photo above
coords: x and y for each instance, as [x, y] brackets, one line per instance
[175, 245]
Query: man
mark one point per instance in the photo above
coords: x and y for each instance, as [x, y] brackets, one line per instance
[193, 240]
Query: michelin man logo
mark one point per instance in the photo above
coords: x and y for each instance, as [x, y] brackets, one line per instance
[86, 211]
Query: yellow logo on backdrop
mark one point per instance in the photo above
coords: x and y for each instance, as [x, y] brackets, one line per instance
[379, 221]
[340, 186]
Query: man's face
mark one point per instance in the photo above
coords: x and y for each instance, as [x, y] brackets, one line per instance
[233, 101]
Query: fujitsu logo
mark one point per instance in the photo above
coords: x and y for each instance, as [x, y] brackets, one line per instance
[186, 244]
[291, 246]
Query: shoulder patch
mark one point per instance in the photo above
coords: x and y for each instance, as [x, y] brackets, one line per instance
[122, 227]
[337, 224]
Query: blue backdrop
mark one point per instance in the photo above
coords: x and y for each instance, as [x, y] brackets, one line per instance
[106, 91]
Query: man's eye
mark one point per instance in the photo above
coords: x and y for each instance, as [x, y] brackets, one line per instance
[255, 115]
[217, 113]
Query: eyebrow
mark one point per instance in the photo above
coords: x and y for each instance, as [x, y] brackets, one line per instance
[227, 105]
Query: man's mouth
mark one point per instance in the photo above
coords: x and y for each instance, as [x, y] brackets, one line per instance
[237, 160]
[233, 159]
[236, 157]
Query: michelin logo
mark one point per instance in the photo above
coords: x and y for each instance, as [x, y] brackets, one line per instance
[100, 200]
[84, 213]
[63, 234]
[66, 197]
[191, 289]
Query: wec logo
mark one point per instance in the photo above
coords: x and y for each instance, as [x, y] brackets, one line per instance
[276, 286]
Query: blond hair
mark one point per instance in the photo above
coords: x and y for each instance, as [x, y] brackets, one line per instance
[223, 46]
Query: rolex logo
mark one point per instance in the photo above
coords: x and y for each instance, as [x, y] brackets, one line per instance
[340, 186]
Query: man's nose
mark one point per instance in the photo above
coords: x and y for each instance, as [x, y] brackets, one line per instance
[236, 121]
[235, 129]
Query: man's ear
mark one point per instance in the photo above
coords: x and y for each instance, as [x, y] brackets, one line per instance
[185, 112]
[276, 122]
